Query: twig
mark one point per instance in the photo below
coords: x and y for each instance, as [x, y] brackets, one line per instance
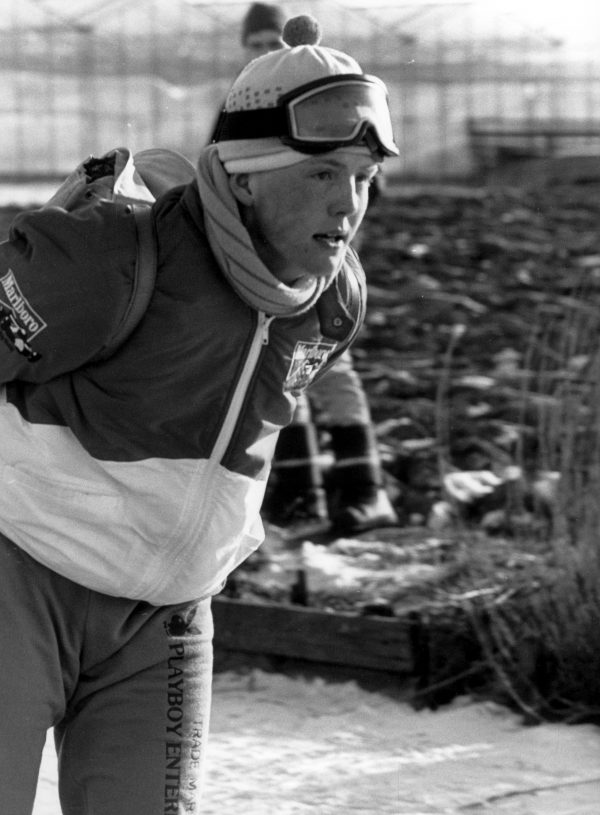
[441, 426]
[499, 670]
[575, 782]
[474, 669]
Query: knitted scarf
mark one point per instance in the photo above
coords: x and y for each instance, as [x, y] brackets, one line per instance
[235, 253]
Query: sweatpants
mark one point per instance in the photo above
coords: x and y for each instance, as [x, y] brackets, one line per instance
[126, 686]
[338, 397]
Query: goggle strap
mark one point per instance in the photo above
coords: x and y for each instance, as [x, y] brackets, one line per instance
[251, 124]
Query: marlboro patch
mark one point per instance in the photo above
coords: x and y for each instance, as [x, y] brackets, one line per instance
[307, 360]
[19, 322]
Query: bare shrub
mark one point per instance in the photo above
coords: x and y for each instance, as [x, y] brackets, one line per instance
[544, 642]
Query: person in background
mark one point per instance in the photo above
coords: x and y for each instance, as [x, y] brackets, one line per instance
[131, 483]
[351, 494]
[262, 28]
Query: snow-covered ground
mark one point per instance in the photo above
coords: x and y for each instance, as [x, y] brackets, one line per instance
[284, 745]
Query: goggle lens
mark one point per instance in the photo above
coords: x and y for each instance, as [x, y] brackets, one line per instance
[340, 112]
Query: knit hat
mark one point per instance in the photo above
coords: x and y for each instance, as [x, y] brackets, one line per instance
[264, 80]
[262, 17]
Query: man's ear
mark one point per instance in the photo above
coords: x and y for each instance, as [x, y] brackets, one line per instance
[239, 184]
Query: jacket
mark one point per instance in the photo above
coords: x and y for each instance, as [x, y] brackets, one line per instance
[142, 475]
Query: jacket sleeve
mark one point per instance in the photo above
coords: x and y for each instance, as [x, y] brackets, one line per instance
[66, 279]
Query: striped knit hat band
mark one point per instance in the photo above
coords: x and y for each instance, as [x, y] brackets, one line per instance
[258, 155]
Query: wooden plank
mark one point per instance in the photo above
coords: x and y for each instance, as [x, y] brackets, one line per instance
[378, 643]
[532, 126]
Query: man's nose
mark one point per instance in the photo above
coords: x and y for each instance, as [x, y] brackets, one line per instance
[346, 200]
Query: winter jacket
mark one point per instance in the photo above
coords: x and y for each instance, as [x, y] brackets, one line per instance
[142, 475]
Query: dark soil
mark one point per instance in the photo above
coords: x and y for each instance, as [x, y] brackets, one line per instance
[474, 296]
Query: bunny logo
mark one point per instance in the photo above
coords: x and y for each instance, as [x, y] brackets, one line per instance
[182, 623]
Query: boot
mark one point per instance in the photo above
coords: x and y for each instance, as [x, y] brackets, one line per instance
[360, 501]
[296, 494]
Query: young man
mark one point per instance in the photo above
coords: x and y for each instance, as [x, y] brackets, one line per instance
[132, 483]
[356, 499]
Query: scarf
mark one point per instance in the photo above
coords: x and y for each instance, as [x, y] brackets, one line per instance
[235, 253]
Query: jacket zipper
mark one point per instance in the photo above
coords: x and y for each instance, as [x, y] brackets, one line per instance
[260, 339]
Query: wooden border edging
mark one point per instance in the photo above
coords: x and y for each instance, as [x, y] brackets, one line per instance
[336, 638]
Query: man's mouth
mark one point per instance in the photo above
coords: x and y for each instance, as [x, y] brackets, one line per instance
[334, 240]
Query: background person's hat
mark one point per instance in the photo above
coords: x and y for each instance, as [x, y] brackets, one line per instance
[262, 17]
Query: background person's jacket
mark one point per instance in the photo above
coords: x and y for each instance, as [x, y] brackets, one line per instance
[142, 475]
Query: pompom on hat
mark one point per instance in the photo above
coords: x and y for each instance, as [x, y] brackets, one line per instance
[264, 80]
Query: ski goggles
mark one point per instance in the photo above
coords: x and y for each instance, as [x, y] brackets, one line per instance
[323, 115]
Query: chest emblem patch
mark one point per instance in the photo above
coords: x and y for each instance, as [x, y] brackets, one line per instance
[307, 360]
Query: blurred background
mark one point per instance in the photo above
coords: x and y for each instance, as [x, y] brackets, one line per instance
[474, 85]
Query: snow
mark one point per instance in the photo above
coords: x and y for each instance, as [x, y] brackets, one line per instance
[347, 570]
[309, 746]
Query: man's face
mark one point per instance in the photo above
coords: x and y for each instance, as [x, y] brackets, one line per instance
[302, 218]
[262, 42]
